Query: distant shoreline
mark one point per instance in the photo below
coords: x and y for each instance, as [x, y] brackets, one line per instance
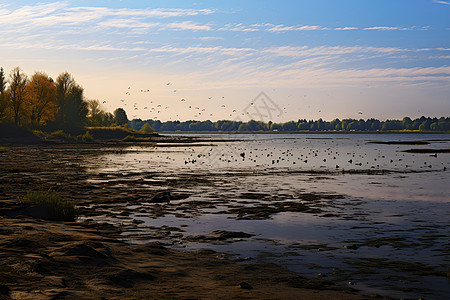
[307, 132]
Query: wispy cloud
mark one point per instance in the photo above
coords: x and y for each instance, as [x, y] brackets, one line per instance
[346, 28]
[204, 50]
[186, 25]
[284, 28]
[442, 2]
[60, 14]
[385, 28]
[238, 27]
[334, 50]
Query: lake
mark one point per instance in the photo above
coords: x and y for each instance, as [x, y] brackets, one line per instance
[351, 208]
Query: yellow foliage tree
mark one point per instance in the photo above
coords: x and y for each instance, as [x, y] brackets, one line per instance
[42, 104]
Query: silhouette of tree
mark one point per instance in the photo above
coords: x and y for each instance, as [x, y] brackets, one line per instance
[96, 116]
[42, 104]
[121, 116]
[17, 92]
[3, 96]
[76, 109]
[442, 124]
[2, 81]
[73, 109]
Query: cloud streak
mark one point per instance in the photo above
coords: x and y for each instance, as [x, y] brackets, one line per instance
[442, 2]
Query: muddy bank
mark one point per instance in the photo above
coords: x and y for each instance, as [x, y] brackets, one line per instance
[86, 260]
[56, 260]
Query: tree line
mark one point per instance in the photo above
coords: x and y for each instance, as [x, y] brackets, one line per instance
[39, 102]
[420, 124]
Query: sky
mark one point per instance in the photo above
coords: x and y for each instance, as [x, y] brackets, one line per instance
[239, 60]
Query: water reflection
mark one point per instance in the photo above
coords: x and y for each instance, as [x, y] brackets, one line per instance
[349, 201]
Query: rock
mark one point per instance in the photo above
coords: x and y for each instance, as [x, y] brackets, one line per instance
[244, 285]
[220, 235]
[223, 234]
[160, 197]
[84, 250]
[165, 196]
[351, 247]
[127, 278]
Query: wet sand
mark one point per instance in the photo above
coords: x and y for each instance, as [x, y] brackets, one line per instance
[43, 259]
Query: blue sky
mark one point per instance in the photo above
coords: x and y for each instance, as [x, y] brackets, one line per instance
[314, 59]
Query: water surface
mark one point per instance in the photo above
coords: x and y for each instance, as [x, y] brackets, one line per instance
[363, 214]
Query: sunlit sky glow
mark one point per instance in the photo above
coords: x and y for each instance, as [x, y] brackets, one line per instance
[314, 59]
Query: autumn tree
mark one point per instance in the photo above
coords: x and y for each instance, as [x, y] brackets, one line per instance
[17, 94]
[96, 116]
[94, 113]
[42, 103]
[72, 107]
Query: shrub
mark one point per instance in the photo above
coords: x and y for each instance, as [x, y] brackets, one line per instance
[132, 138]
[86, 137]
[61, 134]
[39, 133]
[129, 138]
[50, 205]
[146, 128]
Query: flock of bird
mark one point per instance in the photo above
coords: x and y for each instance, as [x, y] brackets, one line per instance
[157, 109]
[296, 155]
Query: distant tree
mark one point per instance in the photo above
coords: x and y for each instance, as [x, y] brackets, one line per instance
[146, 128]
[229, 125]
[335, 124]
[303, 125]
[424, 126]
[352, 126]
[362, 126]
[42, 104]
[253, 125]
[121, 116]
[289, 126]
[17, 94]
[135, 124]
[434, 126]
[311, 125]
[108, 119]
[444, 124]
[407, 123]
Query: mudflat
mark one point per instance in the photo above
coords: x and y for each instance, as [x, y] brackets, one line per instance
[43, 259]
